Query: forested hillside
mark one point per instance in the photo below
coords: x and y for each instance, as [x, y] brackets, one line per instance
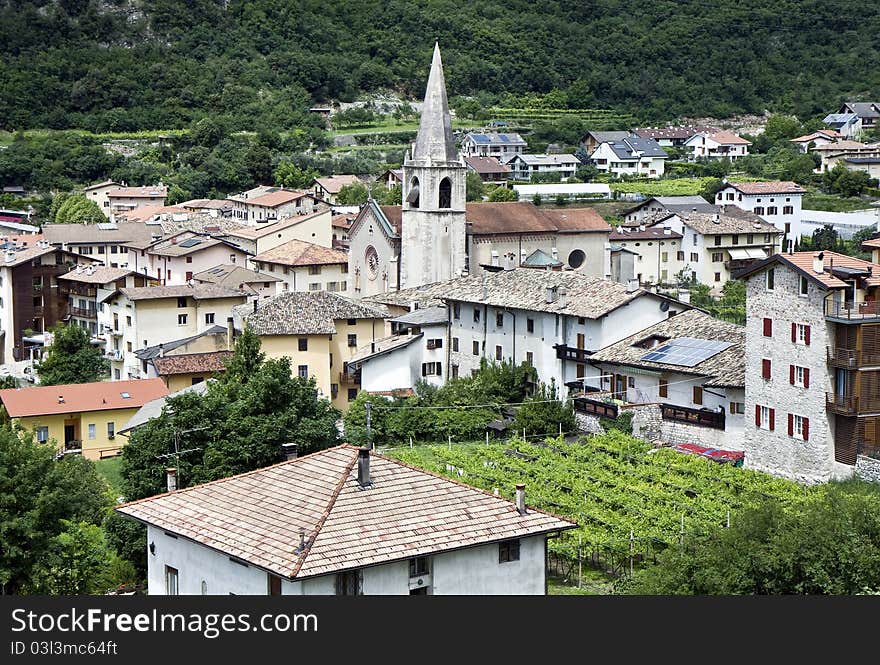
[106, 65]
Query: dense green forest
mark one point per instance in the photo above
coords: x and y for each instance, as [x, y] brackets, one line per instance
[122, 65]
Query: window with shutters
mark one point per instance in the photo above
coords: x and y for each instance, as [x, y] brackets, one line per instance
[737, 408]
[698, 395]
[765, 369]
[800, 333]
[765, 417]
[768, 327]
[664, 388]
[798, 427]
[695, 257]
[717, 257]
[679, 256]
[431, 369]
[718, 241]
[787, 210]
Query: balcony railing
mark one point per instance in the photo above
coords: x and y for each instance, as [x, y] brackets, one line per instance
[852, 311]
[350, 378]
[851, 358]
[84, 312]
[566, 352]
[686, 414]
[852, 404]
[77, 289]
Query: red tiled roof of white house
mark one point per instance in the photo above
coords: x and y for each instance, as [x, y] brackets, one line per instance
[819, 266]
[775, 187]
[320, 501]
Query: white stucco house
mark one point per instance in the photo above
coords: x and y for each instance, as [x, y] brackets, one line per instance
[523, 167]
[632, 155]
[778, 202]
[718, 144]
[343, 521]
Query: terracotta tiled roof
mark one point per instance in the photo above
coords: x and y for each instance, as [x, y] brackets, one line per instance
[394, 216]
[212, 361]
[342, 221]
[80, 397]
[577, 220]
[726, 368]
[486, 165]
[840, 145]
[727, 138]
[138, 192]
[780, 187]
[303, 313]
[301, 253]
[406, 512]
[873, 243]
[803, 262]
[231, 276]
[822, 133]
[732, 220]
[334, 183]
[275, 199]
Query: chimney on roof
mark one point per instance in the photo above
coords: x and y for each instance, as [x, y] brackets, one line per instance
[550, 294]
[229, 325]
[171, 479]
[632, 285]
[302, 540]
[563, 296]
[364, 468]
[10, 255]
[716, 218]
[61, 399]
[521, 498]
[819, 263]
[161, 350]
[289, 451]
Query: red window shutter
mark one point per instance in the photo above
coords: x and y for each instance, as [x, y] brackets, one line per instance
[768, 327]
[793, 332]
[765, 368]
[772, 418]
[791, 374]
[790, 424]
[757, 415]
[807, 335]
[806, 377]
[806, 429]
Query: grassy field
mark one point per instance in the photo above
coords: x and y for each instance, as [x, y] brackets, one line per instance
[111, 470]
[832, 203]
[670, 187]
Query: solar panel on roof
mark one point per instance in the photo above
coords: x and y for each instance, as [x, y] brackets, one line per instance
[191, 242]
[686, 351]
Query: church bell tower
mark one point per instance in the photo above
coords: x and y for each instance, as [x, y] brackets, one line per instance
[433, 218]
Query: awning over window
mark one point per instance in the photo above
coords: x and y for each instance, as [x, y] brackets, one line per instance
[747, 253]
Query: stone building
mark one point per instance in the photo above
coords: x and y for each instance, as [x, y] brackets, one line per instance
[813, 348]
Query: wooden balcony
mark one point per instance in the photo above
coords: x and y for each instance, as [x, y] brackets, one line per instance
[699, 417]
[566, 352]
[842, 357]
[84, 312]
[852, 312]
[350, 378]
[848, 404]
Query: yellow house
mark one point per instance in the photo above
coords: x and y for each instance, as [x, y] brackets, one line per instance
[81, 417]
[319, 332]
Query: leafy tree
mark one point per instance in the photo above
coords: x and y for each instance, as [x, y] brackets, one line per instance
[828, 543]
[247, 358]
[825, 238]
[39, 494]
[389, 196]
[258, 162]
[544, 413]
[353, 194]
[536, 199]
[500, 194]
[474, 187]
[207, 132]
[71, 358]
[288, 174]
[76, 209]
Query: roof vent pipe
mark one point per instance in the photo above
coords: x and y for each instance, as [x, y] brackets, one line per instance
[289, 451]
[819, 263]
[521, 498]
[229, 333]
[632, 285]
[364, 468]
[563, 296]
[171, 479]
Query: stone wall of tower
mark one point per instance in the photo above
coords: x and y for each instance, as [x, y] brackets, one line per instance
[432, 238]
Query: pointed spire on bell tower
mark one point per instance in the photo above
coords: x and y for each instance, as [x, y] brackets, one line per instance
[434, 141]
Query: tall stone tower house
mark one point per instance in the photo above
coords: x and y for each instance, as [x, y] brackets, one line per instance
[433, 215]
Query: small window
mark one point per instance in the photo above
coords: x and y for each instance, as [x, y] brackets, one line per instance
[315, 286]
[125, 395]
[111, 429]
[303, 371]
[181, 319]
[787, 210]
[499, 320]
[349, 583]
[679, 256]
[42, 434]
[508, 550]
[737, 408]
[717, 240]
[663, 390]
[530, 359]
[189, 259]
[419, 566]
[530, 325]
[476, 348]
[455, 344]
[476, 315]
[303, 344]
[771, 210]
[171, 588]
[314, 270]
[771, 279]
[92, 429]
[456, 311]
[209, 317]
[768, 327]
[353, 340]
[698, 395]
[805, 286]
[498, 353]
[717, 257]
[765, 417]
[750, 238]
[181, 302]
[734, 239]
[352, 394]
[717, 276]
[351, 322]
[695, 257]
